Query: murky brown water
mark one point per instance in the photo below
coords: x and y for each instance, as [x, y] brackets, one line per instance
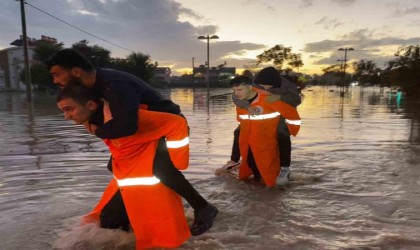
[356, 177]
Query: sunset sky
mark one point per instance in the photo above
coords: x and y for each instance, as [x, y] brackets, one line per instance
[167, 30]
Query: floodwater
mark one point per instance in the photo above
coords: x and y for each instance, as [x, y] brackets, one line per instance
[355, 176]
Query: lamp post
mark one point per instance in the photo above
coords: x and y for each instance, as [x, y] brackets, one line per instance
[381, 88]
[345, 65]
[192, 73]
[208, 58]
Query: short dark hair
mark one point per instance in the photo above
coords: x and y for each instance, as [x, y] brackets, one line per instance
[240, 80]
[268, 76]
[79, 93]
[68, 59]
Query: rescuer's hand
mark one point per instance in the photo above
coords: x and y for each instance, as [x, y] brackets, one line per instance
[107, 111]
[272, 98]
[254, 110]
[91, 128]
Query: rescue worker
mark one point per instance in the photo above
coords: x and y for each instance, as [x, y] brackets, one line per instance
[282, 89]
[258, 137]
[154, 212]
[125, 92]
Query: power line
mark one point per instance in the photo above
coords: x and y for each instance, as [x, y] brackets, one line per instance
[71, 25]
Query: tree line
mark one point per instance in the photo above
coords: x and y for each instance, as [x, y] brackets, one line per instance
[403, 71]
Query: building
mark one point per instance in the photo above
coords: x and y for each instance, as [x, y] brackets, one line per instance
[218, 76]
[162, 74]
[12, 62]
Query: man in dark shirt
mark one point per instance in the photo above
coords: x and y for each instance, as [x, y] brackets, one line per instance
[125, 93]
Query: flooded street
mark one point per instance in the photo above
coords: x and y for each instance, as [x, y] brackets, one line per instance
[355, 176]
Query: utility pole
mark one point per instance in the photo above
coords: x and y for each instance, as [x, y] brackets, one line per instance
[208, 38]
[28, 80]
[192, 73]
[344, 67]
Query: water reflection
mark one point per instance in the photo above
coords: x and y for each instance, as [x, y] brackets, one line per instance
[355, 175]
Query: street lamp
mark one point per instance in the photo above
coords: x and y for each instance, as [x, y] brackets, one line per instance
[208, 58]
[345, 64]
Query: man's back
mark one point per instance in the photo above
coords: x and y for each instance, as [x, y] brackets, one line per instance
[135, 89]
[125, 93]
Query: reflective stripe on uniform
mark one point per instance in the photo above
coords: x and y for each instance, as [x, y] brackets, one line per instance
[260, 117]
[178, 144]
[139, 181]
[293, 122]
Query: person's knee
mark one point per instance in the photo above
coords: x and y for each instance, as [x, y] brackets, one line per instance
[163, 171]
[162, 161]
[109, 166]
[236, 132]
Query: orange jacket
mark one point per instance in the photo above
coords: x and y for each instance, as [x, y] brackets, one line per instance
[156, 213]
[259, 132]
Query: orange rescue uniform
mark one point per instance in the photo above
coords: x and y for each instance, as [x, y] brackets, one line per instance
[156, 212]
[258, 132]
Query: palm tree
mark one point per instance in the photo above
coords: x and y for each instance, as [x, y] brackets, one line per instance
[364, 71]
[143, 67]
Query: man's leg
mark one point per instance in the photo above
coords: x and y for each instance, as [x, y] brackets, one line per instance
[236, 154]
[285, 151]
[253, 165]
[109, 166]
[171, 177]
[284, 142]
[114, 215]
[234, 163]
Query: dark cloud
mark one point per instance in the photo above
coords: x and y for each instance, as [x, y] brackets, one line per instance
[323, 46]
[355, 55]
[190, 13]
[360, 34]
[328, 23]
[344, 2]
[306, 3]
[364, 44]
[150, 27]
[362, 39]
[407, 11]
